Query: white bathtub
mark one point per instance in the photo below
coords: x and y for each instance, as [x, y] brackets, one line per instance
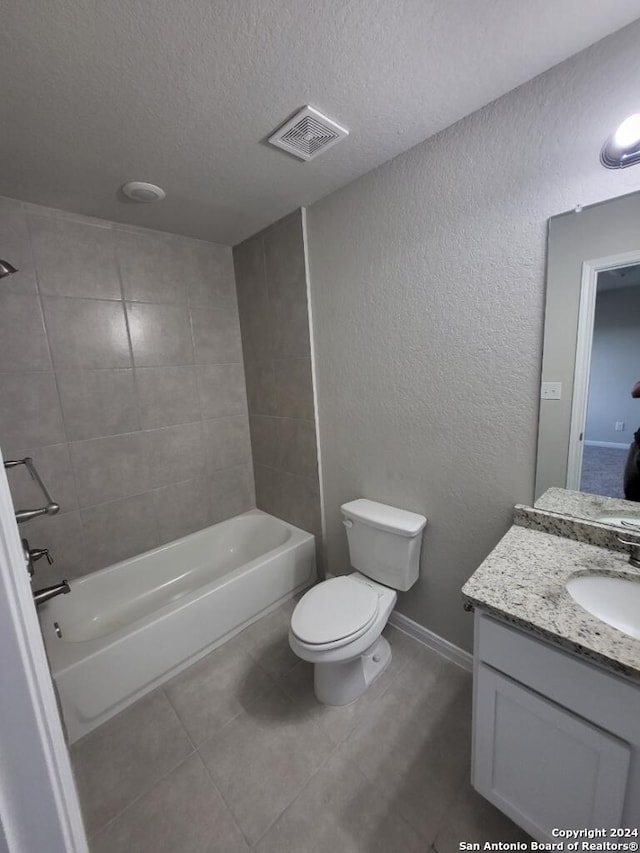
[127, 628]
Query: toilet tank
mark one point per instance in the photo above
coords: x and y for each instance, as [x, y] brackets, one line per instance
[384, 542]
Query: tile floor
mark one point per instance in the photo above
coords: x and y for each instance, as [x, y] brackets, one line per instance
[235, 754]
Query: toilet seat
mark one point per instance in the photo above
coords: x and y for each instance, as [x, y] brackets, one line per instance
[334, 613]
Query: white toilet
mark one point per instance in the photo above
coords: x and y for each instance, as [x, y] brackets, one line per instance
[337, 625]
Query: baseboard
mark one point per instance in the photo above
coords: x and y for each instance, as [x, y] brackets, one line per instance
[612, 444]
[432, 641]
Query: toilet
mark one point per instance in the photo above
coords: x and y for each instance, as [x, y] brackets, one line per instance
[337, 625]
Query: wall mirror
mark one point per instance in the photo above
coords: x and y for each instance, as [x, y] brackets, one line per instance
[591, 356]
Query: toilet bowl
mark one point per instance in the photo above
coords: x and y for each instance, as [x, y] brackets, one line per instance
[338, 624]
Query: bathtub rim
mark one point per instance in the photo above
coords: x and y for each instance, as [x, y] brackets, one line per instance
[63, 656]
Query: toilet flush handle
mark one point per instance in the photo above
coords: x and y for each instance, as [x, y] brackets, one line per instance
[347, 522]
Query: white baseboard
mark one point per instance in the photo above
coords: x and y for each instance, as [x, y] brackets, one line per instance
[612, 444]
[432, 641]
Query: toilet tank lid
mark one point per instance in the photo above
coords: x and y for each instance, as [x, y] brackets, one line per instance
[384, 517]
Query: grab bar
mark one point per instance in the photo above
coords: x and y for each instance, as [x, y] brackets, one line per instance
[51, 507]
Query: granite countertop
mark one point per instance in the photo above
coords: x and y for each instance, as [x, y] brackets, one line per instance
[523, 582]
[583, 505]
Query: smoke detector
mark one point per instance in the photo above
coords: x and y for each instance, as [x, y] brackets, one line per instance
[143, 192]
[308, 134]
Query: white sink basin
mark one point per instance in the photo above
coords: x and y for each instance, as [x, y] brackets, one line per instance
[615, 601]
[628, 522]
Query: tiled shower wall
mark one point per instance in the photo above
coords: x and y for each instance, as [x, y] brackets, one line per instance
[121, 374]
[274, 317]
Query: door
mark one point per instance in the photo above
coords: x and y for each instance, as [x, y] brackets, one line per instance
[542, 765]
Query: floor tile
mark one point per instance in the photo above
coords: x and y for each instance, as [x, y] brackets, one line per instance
[183, 813]
[340, 722]
[123, 758]
[341, 810]
[472, 818]
[267, 641]
[417, 740]
[262, 759]
[216, 689]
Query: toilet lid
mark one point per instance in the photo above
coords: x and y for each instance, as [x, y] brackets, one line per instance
[334, 610]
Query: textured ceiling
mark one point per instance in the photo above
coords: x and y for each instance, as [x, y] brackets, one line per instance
[183, 92]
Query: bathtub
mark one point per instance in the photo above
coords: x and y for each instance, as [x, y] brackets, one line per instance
[125, 629]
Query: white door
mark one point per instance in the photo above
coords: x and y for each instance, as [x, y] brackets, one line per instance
[39, 808]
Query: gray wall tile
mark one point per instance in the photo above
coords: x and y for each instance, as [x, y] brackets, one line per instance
[134, 520]
[86, 333]
[216, 336]
[274, 318]
[151, 266]
[293, 388]
[23, 341]
[295, 446]
[54, 466]
[232, 491]
[30, 411]
[261, 388]
[109, 468]
[97, 403]
[173, 453]
[208, 272]
[67, 375]
[15, 247]
[160, 334]
[74, 258]
[264, 440]
[222, 390]
[182, 508]
[251, 278]
[291, 497]
[226, 441]
[167, 396]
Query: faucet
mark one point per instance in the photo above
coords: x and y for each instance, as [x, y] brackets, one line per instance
[42, 595]
[634, 551]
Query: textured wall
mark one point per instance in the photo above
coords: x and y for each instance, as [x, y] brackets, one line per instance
[272, 300]
[427, 289]
[121, 374]
[615, 366]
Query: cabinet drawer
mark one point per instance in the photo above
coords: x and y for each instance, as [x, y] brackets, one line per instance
[606, 699]
[542, 765]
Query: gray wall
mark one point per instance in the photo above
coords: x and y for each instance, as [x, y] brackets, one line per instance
[121, 374]
[427, 290]
[272, 299]
[615, 366]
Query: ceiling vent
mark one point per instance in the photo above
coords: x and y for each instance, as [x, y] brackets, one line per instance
[308, 134]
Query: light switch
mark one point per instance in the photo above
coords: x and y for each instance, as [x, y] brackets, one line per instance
[551, 390]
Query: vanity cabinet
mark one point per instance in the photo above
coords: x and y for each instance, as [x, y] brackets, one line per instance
[556, 740]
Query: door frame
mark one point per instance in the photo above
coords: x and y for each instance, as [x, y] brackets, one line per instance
[582, 373]
[39, 806]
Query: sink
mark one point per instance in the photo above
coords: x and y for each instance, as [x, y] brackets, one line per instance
[625, 520]
[615, 601]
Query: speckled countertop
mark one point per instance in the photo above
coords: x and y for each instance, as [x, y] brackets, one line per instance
[583, 505]
[523, 581]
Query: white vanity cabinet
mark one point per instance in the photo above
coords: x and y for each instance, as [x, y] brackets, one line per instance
[556, 740]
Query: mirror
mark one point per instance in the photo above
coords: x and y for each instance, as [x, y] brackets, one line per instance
[592, 348]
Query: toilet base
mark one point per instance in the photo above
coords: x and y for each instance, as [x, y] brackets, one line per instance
[342, 683]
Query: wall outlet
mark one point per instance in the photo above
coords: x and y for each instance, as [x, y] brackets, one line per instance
[619, 426]
[551, 390]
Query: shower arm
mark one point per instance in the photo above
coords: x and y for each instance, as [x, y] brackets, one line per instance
[51, 507]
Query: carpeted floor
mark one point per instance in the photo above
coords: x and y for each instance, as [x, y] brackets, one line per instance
[602, 470]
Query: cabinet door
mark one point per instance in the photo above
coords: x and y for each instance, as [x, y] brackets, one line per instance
[542, 765]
